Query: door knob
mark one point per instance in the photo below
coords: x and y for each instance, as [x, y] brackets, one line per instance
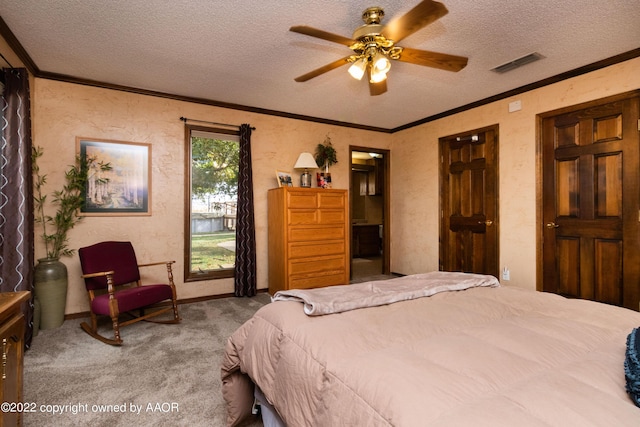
[487, 222]
[552, 225]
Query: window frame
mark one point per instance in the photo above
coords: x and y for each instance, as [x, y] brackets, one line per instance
[191, 276]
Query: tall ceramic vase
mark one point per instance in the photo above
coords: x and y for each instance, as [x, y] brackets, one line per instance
[51, 290]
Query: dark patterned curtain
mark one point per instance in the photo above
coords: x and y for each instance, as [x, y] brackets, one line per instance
[245, 269]
[16, 191]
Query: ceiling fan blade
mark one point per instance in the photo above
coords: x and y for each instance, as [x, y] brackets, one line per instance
[419, 17]
[377, 88]
[313, 32]
[433, 59]
[323, 69]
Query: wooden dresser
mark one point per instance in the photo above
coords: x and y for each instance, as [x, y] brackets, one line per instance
[308, 238]
[12, 336]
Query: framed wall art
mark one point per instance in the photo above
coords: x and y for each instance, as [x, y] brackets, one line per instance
[125, 190]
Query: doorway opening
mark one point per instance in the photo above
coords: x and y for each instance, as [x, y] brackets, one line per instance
[369, 212]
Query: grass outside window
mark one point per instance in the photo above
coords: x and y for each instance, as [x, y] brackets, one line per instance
[212, 251]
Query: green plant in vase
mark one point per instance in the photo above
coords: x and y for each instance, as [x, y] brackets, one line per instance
[50, 274]
[325, 156]
[68, 200]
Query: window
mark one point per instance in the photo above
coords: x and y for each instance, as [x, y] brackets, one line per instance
[211, 190]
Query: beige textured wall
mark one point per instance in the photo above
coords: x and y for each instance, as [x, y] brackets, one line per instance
[9, 55]
[63, 111]
[414, 177]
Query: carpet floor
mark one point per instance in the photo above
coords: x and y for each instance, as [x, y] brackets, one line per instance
[163, 375]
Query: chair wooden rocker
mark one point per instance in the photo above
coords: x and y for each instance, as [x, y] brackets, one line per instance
[112, 277]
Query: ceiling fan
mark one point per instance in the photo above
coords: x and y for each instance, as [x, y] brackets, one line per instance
[374, 45]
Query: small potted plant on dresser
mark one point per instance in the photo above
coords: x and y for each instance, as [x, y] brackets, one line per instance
[50, 287]
[325, 157]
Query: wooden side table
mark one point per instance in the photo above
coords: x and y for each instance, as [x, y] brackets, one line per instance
[12, 341]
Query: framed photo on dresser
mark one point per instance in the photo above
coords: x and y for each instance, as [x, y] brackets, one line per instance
[284, 178]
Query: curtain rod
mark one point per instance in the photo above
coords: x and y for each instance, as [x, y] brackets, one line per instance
[184, 119]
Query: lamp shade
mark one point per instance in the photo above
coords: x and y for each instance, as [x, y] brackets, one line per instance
[306, 161]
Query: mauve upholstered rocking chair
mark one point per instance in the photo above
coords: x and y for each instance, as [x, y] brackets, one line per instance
[112, 278]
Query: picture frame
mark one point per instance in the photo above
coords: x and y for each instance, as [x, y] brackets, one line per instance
[127, 190]
[284, 178]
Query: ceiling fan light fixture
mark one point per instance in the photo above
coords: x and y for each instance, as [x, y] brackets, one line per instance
[357, 69]
[377, 77]
[374, 45]
[380, 63]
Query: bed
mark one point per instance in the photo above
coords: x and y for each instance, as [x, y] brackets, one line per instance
[434, 349]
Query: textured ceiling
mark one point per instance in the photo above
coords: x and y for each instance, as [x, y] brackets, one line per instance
[242, 52]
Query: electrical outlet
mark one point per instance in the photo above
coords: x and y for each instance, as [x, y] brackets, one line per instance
[506, 274]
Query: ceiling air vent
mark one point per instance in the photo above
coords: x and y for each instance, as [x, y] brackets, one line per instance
[519, 62]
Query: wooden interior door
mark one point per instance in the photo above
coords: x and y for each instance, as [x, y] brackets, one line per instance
[590, 202]
[469, 202]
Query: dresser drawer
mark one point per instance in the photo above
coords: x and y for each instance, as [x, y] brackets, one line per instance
[316, 216]
[314, 265]
[331, 200]
[331, 216]
[304, 234]
[329, 278]
[302, 200]
[313, 249]
[303, 216]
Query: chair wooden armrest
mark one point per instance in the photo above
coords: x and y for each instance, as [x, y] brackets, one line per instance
[109, 274]
[101, 273]
[169, 270]
[156, 263]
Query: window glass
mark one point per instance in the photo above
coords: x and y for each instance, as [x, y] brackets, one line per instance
[212, 189]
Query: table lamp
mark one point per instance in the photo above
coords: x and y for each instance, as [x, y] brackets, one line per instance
[306, 162]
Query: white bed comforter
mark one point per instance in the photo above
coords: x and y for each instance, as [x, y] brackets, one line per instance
[480, 357]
